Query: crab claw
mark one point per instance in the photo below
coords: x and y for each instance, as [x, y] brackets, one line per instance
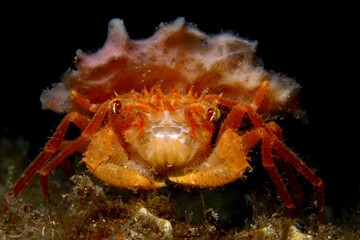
[226, 163]
[118, 176]
[107, 160]
[212, 177]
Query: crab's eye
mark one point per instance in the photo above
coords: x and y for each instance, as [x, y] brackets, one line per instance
[212, 114]
[115, 106]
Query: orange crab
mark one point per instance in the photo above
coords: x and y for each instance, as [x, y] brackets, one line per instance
[178, 131]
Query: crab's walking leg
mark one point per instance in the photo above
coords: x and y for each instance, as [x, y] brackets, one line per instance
[54, 144]
[251, 138]
[289, 174]
[236, 116]
[60, 157]
[85, 137]
[284, 152]
[286, 167]
[51, 148]
[289, 156]
[85, 103]
[260, 94]
[234, 119]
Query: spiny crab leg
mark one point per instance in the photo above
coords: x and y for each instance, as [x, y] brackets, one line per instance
[51, 148]
[236, 115]
[260, 95]
[85, 137]
[55, 144]
[83, 102]
[292, 181]
[282, 151]
[271, 137]
[286, 167]
[253, 137]
[57, 160]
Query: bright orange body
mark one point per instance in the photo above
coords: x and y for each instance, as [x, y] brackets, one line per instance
[141, 140]
[144, 140]
[156, 137]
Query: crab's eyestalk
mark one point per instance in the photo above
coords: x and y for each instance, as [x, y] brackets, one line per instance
[212, 114]
[115, 106]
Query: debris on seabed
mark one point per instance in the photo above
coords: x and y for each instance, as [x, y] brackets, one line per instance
[88, 213]
[95, 211]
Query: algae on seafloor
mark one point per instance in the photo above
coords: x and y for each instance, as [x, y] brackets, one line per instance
[90, 210]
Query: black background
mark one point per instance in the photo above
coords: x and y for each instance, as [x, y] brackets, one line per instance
[313, 44]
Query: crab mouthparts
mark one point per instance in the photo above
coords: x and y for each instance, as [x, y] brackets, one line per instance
[168, 131]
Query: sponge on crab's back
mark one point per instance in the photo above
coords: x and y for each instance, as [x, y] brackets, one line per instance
[177, 55]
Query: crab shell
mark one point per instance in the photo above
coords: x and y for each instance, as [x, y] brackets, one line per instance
[152, 137]
[178, 56]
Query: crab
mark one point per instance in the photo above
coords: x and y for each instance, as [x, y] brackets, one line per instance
[146, 138]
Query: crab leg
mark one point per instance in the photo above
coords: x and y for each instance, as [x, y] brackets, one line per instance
[51, 148]
[54, 144]
[289, 174]
[85, 137]
[284, 152]
[260, 94]
[251, 138]
[58, 159]
[286, 166]
[85, 103]
[236, 115]
[234, 120]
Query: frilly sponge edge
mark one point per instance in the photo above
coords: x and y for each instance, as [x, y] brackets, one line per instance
[177, 55]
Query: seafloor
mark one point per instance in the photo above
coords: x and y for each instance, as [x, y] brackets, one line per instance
[88, 209]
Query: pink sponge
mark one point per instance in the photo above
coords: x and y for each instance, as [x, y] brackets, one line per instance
[179, 56]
